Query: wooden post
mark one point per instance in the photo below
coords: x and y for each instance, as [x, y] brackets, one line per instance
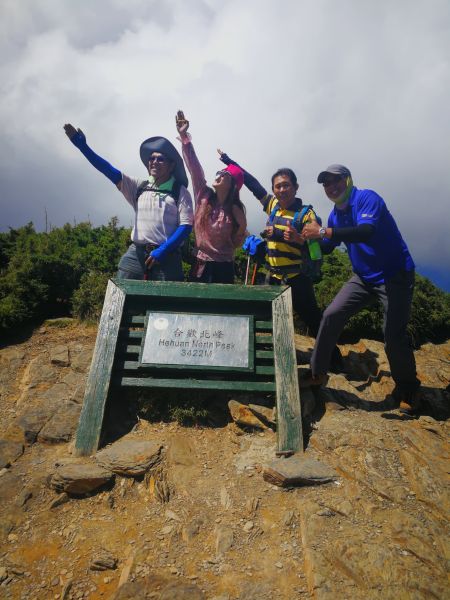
[98, 383]
[289, 415]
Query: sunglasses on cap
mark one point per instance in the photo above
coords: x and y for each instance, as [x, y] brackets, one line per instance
[158, 159]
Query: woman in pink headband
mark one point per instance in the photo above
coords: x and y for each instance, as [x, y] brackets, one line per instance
[220, 223]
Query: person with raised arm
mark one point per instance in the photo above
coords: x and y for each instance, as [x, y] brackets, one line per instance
[220, 223]
[162, 207]
[290, 259]
[383, 270]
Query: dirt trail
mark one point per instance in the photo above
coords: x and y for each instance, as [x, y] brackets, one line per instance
[204, 523]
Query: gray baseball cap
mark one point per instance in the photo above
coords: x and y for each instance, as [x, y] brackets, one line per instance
[334, 170]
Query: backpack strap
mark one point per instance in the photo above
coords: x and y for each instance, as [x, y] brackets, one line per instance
[273, 213]
[146, 187]
[297, 221]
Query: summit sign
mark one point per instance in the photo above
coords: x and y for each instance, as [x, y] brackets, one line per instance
[196, 340]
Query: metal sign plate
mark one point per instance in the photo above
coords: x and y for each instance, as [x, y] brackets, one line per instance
[197, 340]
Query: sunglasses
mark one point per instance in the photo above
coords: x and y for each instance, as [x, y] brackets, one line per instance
[157, 159]
[222, 174]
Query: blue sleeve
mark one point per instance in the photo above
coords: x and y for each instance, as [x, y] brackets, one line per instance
[369, 208]
[250, 182]
[172, 243]
[79, 140]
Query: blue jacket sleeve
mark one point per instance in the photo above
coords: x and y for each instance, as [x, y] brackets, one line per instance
[79, 140]
[172, 243]
[250, 182]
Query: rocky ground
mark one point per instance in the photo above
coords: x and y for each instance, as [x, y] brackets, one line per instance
[172, 512]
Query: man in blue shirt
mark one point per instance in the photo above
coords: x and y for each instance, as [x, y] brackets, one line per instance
[383, 269]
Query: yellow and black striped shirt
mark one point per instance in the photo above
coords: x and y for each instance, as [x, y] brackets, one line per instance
[285, 259]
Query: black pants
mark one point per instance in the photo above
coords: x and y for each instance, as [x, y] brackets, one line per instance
[303, 300]
[210, 271]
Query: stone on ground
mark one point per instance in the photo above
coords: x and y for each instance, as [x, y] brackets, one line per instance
[79, 478]
[129, 457]
[298, 470]
[242, 415]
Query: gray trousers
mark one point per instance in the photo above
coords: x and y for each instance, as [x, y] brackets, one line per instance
[395, 296]
[132, 266]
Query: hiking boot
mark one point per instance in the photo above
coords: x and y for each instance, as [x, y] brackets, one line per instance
[410, 402]
[310, 380]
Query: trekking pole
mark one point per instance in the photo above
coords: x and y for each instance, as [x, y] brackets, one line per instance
[255, 269]
[146, 255]
[248, 267]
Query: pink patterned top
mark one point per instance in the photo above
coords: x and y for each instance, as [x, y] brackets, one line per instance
[217, 236]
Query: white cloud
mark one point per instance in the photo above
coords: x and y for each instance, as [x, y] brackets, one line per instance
[299, 83]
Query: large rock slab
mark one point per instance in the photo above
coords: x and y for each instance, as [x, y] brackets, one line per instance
[82, 360]
[77, 385]
[129, 457]
[39, 370]
[298, 470]
[62, 426]
[79, 478]
[31, 422]
[57, 393]
[350, 558]
[10, 451]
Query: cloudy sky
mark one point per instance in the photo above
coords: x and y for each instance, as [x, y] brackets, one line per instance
[298, 83]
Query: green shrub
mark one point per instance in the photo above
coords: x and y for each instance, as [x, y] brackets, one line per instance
[87, 300]
[45, 275]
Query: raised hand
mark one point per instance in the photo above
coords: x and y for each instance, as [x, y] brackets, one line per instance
[224, 157]
[291, 235]
[76, 136]
[182, 123]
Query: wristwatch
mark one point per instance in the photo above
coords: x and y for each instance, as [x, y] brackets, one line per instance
[322, 232]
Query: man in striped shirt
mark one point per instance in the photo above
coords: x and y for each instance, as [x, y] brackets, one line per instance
[288, 255]
[162, 206]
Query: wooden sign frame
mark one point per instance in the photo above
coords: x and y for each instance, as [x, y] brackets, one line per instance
[115, 362]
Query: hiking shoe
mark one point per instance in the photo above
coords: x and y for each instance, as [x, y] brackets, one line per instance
[410, 402]
[310, 380]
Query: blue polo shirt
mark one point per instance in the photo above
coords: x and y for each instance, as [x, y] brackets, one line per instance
[385, 253]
